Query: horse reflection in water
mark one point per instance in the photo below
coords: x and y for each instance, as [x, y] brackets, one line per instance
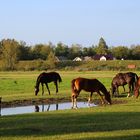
[45, 78]
[37, 108]
[89, 85]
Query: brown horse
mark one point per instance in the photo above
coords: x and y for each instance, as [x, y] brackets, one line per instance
[45, 78]
[89, 85]
[136, 91]
[122, 79]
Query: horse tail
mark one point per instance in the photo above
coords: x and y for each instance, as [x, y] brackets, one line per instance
[136, 78]
[59, 78]
[73, 88]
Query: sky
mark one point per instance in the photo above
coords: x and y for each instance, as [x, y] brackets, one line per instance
[81, 22]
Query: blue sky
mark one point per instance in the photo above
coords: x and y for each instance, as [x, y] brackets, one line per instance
[71, 21]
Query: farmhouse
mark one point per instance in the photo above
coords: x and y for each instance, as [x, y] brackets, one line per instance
[77, 59]
[103, 57]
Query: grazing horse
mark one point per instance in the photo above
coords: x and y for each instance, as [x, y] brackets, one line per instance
[45, 78]
[137, 87]
[121, 79]
[88, 85]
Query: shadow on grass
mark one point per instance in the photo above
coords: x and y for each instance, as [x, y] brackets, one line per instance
[133, 137]
[49, 124]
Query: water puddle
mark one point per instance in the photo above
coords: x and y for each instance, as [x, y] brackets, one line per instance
[40, 108]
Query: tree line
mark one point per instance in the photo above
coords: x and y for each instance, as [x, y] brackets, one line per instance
[12, 51]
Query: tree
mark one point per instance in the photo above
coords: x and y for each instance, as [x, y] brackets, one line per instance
[61, 49]
[51, 60]
[41, 51]
[135, 52]
[24, 51]
[102, 48]
[90, 51]
[120, 52]
[10, 52]
[74, 51]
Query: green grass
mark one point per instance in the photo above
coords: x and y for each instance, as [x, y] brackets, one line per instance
[20, 85]
[115, 122]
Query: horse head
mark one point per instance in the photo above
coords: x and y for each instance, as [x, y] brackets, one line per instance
[36, 90]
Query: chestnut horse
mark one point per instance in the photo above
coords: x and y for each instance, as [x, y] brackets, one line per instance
[136, 91]
[45, 78]
[88, 85]
[121, 79]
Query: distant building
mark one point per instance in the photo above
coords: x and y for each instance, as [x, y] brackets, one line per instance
[103, 57]
[77, 59]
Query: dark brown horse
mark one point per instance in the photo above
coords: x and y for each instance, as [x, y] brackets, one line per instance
[45, 78]
[121, 79]
[136, 91]
[89, 85]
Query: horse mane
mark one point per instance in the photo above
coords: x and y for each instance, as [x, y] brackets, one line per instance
[38, 80]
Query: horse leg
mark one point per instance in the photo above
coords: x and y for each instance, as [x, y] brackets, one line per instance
[123, 88]
[74, 102]
[56, 86]
[102, 100]
[117, 91]
[72, 99]
[47, 88]
[90, 97]
[129, 86]
[137, 92]
[42, 88]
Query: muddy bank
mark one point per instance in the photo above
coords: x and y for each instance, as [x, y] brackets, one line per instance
[27, 102]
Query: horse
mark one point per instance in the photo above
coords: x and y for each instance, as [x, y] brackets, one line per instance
[88, 85]
[137, 87]
[121, 79]
[45, 78]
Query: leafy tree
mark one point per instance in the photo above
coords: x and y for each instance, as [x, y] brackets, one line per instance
[102, 48]
[135, 52]
[51, 60]
[90, 51]
[24, 51]
[10, 52]
[61, 49]
[120, 52]
[41, 51]
[74, 51]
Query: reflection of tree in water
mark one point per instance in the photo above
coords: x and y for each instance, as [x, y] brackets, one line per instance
[43, 107]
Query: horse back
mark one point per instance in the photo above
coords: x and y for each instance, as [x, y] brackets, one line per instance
[89, 85]
[49, 77]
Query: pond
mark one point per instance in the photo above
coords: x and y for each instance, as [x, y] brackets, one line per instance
[40, 108]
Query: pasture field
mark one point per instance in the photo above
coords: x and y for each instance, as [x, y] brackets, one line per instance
[20, 85]
[111, 122]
